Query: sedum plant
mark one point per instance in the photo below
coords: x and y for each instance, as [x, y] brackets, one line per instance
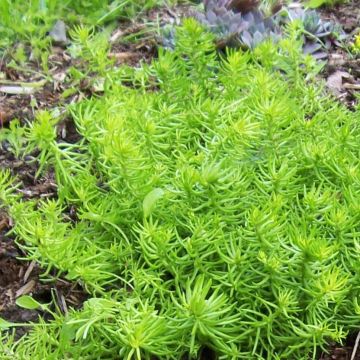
[356, 44]
[217, 205]
[313, 4]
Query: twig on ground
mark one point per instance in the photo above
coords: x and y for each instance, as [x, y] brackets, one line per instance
[355, 346]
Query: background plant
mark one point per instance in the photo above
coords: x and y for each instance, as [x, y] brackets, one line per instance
[246, 24]
[217, 205]
[318, 3]
[29, 22]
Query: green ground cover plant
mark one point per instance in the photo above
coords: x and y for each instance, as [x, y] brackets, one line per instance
[29, 22]
[318, 3]
[217, 202]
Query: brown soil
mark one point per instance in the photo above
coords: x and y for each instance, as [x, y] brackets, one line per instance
[342, 71]
[347, 14]
[338, 352]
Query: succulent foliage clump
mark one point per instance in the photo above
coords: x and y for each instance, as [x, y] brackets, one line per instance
[237, 23]
[318, 35]
[243, 23]
[217, 206]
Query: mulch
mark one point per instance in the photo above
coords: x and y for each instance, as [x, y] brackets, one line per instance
[342, 72]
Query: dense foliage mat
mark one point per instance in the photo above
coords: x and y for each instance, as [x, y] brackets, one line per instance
[217, 203]
[29, 22]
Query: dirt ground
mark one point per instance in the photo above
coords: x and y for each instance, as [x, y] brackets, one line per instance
[18, 277]
[342, 72]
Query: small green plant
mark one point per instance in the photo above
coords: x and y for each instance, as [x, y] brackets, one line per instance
[29, 22]
[217, 205]
[319, 3]
[14, 136]
[92, 48]
[356, 45]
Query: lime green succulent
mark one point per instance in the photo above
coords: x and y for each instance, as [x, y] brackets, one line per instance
[218, 207]
[356, 44]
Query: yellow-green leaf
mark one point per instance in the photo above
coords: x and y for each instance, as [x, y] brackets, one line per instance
[27, 302]
[150, 200]
[5, 324]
